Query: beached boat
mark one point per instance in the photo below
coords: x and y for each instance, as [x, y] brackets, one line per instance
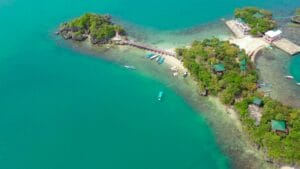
[149, 55]
[264, 85]
[129, 67]
[289, 77]
[160, 95]
[158, 58]
[161, 61]
[185, 74]
[153, 57]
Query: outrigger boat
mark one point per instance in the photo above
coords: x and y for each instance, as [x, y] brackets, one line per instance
[160, 95]
[161, 61]
[158, 58]
[153, 57]
[289, 77]
[129, 67]
[149, 55]
[185, 74]
[264, 85]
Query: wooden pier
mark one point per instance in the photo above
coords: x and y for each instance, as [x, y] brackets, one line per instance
[147, 47]
[235, 29]
[287, 46]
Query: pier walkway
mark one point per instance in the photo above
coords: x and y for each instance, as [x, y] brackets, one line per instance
[147, 47]
[235, 29]
[287, 46]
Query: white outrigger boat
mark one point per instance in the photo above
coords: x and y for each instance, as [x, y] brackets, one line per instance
[153, 57]
[160, 95]
[289, 77]
[129, 67]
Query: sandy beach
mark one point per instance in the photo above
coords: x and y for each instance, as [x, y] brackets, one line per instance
[250, 44]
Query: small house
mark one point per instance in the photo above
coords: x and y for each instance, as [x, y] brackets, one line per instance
[219, 68]
[279, 126]
[271, 35]
[258, 15]
[240, 23]
[257, 101]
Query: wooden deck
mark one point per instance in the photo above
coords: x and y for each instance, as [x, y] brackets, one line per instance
[287, 46]
[235, 29]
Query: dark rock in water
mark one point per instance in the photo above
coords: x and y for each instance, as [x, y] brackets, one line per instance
[66, 35]
[79, 37]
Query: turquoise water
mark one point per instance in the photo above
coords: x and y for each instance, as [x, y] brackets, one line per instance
[61, 109]
[295, 67]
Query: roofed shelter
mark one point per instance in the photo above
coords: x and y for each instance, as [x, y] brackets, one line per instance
[219, 68]
[243, 26]
[257, 102]
[279, 126]
[271, 35]
[258, 15]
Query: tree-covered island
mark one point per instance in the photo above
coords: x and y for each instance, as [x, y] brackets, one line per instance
[259, 20]
[99, 28]
[222, 69]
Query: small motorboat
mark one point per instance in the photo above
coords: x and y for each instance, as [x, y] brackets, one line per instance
[149, 55]
[153, 57]
[160, 95]
[161, 61]
[185, 74]
[129, 67]
[158, 58]
[298, 84]
[289, 77]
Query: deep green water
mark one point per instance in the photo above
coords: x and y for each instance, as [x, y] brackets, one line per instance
[64, 109]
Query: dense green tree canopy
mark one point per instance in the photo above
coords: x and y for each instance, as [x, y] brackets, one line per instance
[99, 27]
[238, 87]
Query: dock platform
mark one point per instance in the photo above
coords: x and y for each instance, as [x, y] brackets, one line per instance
[234, 29]
[287, 46]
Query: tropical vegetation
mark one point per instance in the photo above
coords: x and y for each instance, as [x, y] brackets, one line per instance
[99, 27]
[259, 20]
[236, 85]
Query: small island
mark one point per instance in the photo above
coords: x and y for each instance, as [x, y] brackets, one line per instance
[225, 71]
[259, 20]
[98, 28]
